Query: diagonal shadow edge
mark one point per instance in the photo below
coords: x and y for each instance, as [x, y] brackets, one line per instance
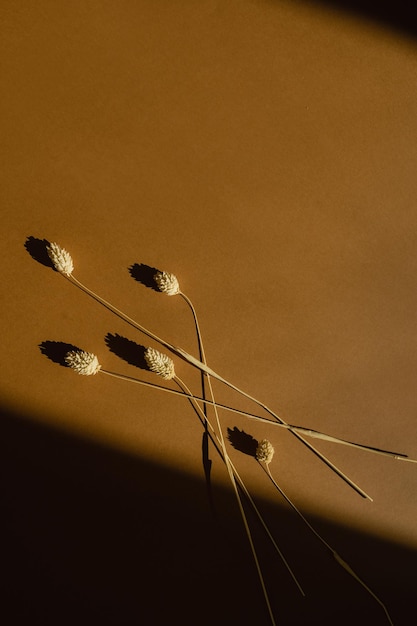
[96, 533]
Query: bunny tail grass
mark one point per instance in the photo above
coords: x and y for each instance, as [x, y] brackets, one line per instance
[243, 514]
[60, 258]
[209, 372]
[213, 437]
[336, 556]
[321, 456]
[63, 263]
[82, 362]
[226, 456]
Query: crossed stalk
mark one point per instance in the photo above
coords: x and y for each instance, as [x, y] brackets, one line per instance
[168, 283]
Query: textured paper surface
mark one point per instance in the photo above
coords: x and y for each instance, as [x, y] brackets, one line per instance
[263, 152]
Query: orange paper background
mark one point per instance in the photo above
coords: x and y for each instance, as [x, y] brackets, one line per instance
[265, 153]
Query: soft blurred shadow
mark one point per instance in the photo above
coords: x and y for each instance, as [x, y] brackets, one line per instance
[94, 536]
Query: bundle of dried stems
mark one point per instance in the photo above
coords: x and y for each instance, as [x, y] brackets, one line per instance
[86, 363]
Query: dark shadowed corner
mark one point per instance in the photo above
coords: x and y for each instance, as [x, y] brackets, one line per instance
[400, 15]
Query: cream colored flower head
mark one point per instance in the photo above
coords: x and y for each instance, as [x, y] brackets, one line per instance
[264, 451]
[159, 363]
[85, 363]
[167, 283]
[61, 259]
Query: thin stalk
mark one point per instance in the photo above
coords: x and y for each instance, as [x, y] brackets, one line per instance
[334, 553]
[231, 468]
[203, 387]
[214, 438]
[321, 456]
[316, 434]
[301, 429]
[204, 368]
[243, 486]
[336, 556]
[226, 459]
[197, 327]
[225, 455]
[119, 313]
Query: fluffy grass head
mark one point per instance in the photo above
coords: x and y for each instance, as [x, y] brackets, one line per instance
[167, 283]
[264, 451]
[61, 259]
[84, 363]
[159, 363]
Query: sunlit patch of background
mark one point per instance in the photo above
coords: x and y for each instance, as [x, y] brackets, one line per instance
[265, 153]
